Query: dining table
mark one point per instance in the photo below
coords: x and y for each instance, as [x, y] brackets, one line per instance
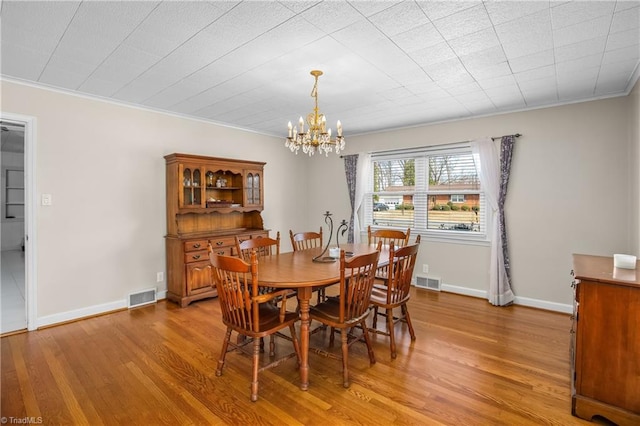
[298, 271]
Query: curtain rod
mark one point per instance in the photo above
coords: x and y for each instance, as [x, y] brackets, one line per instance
[517, 135]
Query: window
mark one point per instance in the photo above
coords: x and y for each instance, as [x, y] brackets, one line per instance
[433, 190]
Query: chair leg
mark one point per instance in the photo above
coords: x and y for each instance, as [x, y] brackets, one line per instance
[321, 295]
[272, 345]
[367, 340]
[223, 353]
[392, 336]
[407, 319]
[345, 357]
[331, 339]
[375, 317]
[254, 376]
[296, 345]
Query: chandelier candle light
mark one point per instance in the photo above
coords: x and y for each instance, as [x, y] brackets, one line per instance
[317, 137]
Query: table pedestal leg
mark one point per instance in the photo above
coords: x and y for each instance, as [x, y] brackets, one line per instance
[304, 297]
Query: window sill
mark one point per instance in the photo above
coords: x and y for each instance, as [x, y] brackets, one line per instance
[444, 237]
[478, 240]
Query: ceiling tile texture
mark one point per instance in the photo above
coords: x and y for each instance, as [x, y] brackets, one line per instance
[387, 64]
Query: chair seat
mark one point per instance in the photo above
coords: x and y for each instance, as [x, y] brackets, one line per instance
[379, 294]
[269, 320]
[329, 311]
[380, 287]
[379, 297]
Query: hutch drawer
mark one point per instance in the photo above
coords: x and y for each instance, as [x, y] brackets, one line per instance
[222, 242]
[196, 256]
[194, 245]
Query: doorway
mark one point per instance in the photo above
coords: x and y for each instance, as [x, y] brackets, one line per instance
[15, 216]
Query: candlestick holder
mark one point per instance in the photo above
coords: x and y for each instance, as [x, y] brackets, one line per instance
[344, 226]
[321, 258]
[340, 231]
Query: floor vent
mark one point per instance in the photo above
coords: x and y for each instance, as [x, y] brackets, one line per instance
[430, 283]
[141, 298]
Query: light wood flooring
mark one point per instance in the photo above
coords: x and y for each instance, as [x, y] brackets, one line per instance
[472, 364]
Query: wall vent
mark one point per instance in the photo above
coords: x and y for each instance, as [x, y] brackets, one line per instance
[430, 283]
[141, 298]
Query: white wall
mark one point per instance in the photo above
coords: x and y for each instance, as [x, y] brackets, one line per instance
[634, 136]
[103, 163]
[568, 193]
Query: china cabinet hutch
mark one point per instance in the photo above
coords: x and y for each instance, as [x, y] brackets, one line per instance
[209, 201]
[605, 344]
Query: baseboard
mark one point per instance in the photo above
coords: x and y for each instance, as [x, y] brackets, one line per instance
[77, 314]
[90, 311]
[522, 301]
[463, 290]
[543, 304]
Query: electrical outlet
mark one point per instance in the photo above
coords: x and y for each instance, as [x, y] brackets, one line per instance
[160, 277]
[425, 268]
[46, 199]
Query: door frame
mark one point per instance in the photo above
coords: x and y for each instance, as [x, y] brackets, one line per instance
[30, 203]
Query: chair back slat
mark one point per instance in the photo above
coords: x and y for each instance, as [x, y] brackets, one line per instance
[357, 276]
[401, 264]
[263, 246]
[305, 240]
[236, 283]
[388, 236]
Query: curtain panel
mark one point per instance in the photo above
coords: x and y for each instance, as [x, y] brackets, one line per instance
[494, 177]
[351, 171]
[364, 165]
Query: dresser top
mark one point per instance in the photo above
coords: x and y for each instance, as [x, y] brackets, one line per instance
[600, 269]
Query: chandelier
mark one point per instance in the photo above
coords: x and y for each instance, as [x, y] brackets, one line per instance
[316, 137]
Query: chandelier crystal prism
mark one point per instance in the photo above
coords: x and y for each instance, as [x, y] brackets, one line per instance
[316, 138]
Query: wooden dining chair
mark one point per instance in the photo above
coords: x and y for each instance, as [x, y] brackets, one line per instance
[382, 274]
[305, 240]
[396, 292]
[263, 246]
[249, 313]
[350, 308]
[387, 236]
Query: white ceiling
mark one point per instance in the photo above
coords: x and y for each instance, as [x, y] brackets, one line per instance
[387, 64]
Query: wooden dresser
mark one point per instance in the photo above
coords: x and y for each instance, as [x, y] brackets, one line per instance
[605, 346]
[209, 200]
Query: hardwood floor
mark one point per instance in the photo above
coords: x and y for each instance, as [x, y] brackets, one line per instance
[472, 364]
